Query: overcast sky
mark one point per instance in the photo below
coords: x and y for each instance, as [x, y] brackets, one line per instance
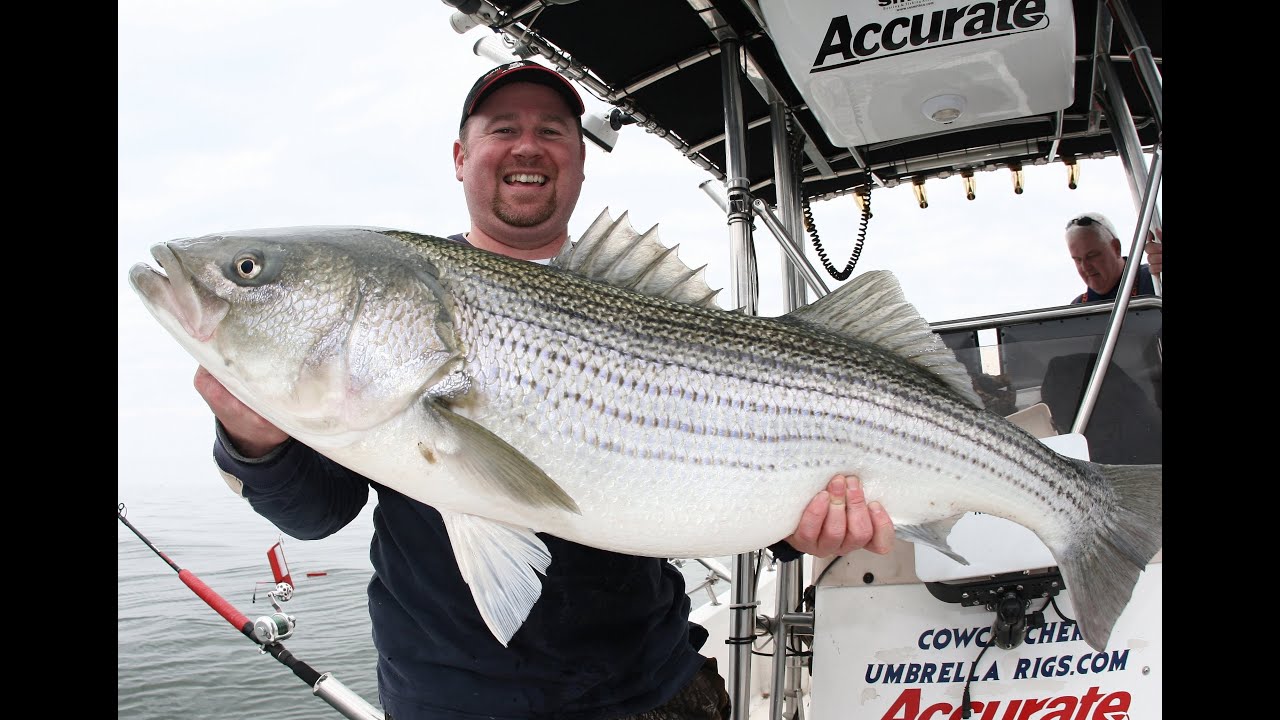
[243, 114]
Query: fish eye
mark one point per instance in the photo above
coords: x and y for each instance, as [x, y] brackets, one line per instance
[248, 265]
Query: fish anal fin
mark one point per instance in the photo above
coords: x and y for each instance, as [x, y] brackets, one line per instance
[933, 535]
[500, 563]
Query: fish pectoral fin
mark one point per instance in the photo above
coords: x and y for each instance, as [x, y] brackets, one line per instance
[500, 563]
[473, 453]
[932, 535]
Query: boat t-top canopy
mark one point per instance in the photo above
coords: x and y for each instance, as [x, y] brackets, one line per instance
[882, 93]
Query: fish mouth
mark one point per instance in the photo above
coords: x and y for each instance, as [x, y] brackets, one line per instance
[175, 295]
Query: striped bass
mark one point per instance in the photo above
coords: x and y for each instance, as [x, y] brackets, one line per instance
[607, 400]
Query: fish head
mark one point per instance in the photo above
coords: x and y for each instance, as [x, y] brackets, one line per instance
[325, 331]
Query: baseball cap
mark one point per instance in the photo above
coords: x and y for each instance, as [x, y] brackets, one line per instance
[520, 71]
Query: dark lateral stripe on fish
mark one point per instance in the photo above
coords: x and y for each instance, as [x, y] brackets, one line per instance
[608, 321]
[619, 381]
[684, 323]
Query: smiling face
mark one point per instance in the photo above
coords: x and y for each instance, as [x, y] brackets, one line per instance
[1097, 257]
[521, 162]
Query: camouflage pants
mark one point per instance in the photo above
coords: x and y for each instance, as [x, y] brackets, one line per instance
[704, 698]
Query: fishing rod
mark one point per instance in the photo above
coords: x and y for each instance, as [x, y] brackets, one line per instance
[267, 633]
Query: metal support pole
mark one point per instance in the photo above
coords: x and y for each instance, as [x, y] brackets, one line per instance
[786, 675]
[787, 682]
[1120, 118]
[799, 263]
[742, 269]
[793, 290]
[1109, 337]
[1129, 146]
[1139, 52]
[742, 251]
[1123, 129]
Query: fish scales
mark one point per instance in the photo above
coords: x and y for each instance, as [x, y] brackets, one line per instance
[517, 398]
[821, 362]
[689, 346]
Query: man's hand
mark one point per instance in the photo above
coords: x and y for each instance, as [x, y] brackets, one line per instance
[1155, 252]
[252, 435]
[838, 521]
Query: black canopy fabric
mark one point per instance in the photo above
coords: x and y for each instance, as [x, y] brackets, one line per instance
[660, 58]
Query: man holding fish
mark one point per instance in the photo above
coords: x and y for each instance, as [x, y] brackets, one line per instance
[610, 635]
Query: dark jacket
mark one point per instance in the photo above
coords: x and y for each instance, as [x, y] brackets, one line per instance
[1141, 286]
[609, 636]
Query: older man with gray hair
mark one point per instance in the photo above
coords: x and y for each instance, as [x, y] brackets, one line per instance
[1095, 248]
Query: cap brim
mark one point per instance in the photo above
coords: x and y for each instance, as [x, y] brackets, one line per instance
[526, 72]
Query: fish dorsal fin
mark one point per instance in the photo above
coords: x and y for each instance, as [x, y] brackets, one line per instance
[612, 252]
[872, 308]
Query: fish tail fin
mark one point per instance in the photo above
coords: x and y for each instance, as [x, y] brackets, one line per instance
[1103, 562]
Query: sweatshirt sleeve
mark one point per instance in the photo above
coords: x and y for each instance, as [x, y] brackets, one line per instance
[305, 494]
[783, 551]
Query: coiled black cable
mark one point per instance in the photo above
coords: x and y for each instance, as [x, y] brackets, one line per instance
[811, 227]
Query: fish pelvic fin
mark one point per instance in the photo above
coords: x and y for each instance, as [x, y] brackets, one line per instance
[872, 309]
[500, 563]
[1102, 564]
[932, 535]
[612, 252]
[473, 454]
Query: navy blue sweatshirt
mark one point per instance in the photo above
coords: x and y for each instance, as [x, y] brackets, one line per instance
[1142, 285]
[609, 636]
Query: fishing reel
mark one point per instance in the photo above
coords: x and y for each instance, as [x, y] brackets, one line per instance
[277, 626]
